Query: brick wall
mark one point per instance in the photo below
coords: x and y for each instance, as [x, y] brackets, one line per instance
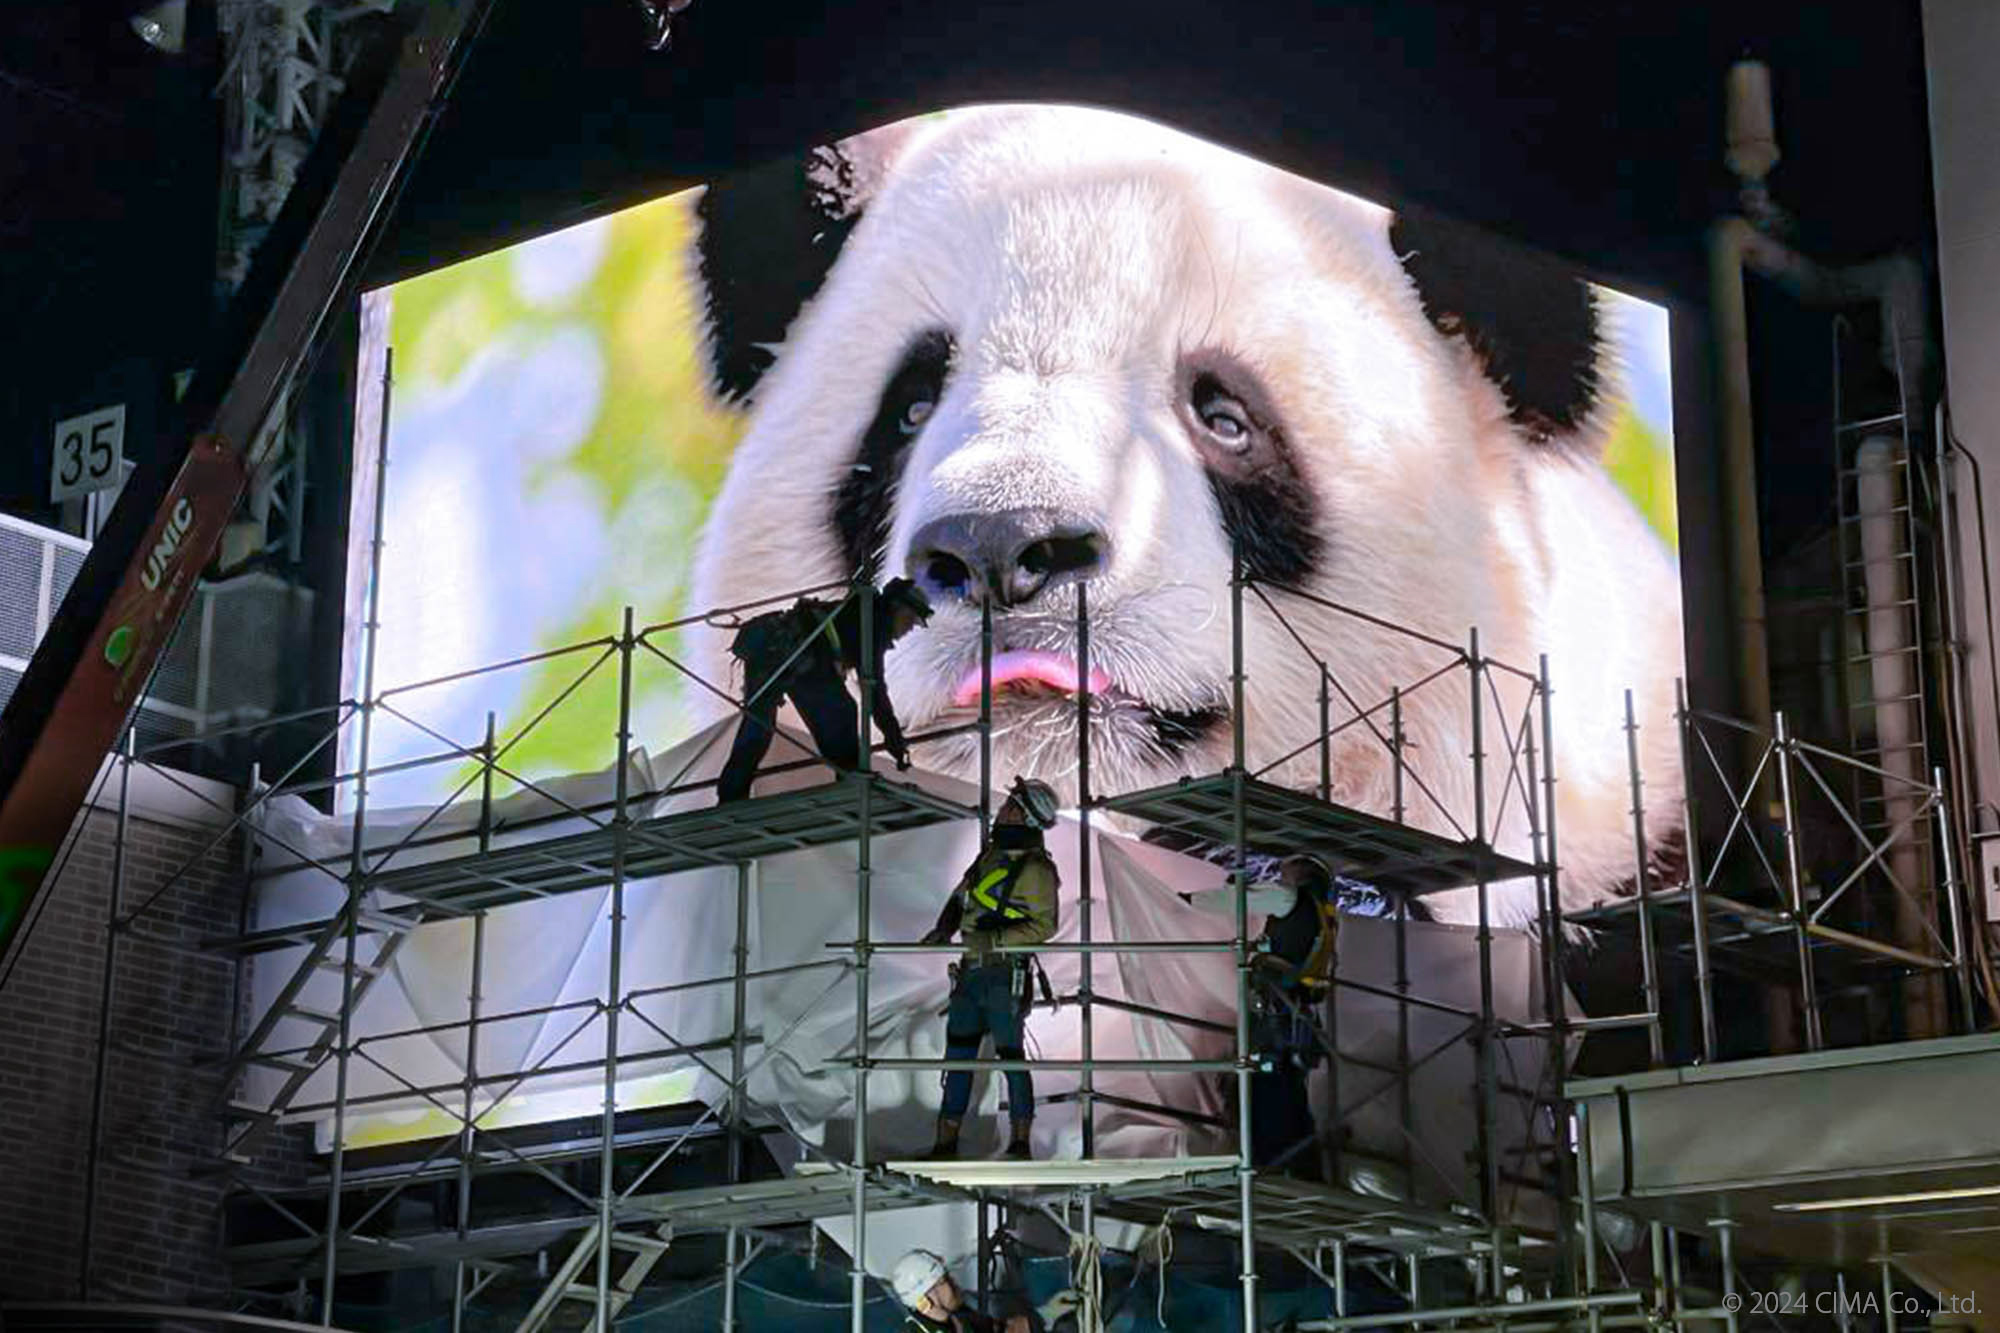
[156, 1231]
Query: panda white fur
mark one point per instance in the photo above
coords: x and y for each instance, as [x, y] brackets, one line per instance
[1014, 347]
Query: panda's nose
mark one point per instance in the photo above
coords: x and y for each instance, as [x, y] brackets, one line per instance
[1011, 555]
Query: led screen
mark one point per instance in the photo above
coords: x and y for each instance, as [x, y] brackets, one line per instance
[1012, 348]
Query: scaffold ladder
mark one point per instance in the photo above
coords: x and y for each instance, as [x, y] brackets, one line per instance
[646, 1249]
[378, 935]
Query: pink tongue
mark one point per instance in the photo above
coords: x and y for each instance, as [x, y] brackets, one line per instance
[1028, 664]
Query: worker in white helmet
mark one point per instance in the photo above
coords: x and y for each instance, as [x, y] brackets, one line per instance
[925, 1287]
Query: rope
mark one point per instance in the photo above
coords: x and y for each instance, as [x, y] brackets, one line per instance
[1166, 1254]
[1086, 1254]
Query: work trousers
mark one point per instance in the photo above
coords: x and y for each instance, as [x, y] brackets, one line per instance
[1281, 1115]
[821, 698]
[986, 1003]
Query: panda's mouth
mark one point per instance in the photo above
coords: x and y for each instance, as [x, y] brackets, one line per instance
[1024, 669]
[1040, 682]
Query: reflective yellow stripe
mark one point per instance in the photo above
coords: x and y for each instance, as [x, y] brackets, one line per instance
[982, 893]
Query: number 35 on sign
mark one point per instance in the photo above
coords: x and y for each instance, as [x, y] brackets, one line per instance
[90, 453]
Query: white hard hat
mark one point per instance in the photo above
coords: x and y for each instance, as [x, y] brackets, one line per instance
[1037, 800]
[916, 1273]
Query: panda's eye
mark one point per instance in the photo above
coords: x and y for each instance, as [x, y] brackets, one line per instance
[915, 413]
[1221, 414]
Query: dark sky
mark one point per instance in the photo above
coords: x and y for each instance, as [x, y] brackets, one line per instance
[1588, 129]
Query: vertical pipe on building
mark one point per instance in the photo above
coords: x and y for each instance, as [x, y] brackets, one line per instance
[1245, 1170]
[1889, 1310]
[1697, 890]
[614, 998]
[106, 996]
[1732, 340]
[467, 1120]
[858, 1279]
[1795, 887]
[1961, 966]
[1648, 962]
[358, 864]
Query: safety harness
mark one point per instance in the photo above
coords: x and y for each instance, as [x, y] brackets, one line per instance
[994, 892]
[1316, 973]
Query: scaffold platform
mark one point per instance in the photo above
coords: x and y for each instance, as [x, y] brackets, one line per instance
[1294, 1214]
[1397, 859]
[815, 1192]
[1751, 941]
[714, 835]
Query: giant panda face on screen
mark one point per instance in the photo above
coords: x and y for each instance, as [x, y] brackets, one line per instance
[1017, 349]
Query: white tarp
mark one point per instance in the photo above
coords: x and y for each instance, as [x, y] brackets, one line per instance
[681, 928]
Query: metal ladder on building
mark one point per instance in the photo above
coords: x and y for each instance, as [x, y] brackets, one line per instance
[1881, 497]
[646, 1249]
[1885, 497]
[378, 936]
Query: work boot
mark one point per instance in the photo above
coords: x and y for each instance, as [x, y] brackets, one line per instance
[1018, 1146]
[945, 1149]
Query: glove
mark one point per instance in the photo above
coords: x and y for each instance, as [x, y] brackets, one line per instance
[936, 935]
[901, 754]
[1058, 1306]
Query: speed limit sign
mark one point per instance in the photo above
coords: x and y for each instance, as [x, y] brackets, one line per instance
[90, 453]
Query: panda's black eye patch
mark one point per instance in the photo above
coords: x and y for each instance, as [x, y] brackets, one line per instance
[1267, 508]
[861, 503]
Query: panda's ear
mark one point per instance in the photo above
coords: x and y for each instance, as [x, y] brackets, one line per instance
[1533, 322]
[767, 238]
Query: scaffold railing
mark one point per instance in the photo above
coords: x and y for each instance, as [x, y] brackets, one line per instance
[1804, 895]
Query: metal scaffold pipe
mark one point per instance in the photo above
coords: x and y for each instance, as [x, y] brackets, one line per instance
[1648, 961]
[863, 879]
[1245, 1169]
[1795, 891]
[614, 997]
[1697, 887]
[357, 874]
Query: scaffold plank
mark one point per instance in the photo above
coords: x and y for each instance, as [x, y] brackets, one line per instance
[1279, 821]
[820, 1192]
[662, 845]
[1295, 1214]
[1752, 941]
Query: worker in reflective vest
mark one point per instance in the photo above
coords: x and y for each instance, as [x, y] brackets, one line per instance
[1006, 897]
[805, 653]
[1291, 974]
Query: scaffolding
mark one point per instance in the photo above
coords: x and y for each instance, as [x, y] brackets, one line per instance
[1453, 823]
[442, 869]
[1809, 898]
